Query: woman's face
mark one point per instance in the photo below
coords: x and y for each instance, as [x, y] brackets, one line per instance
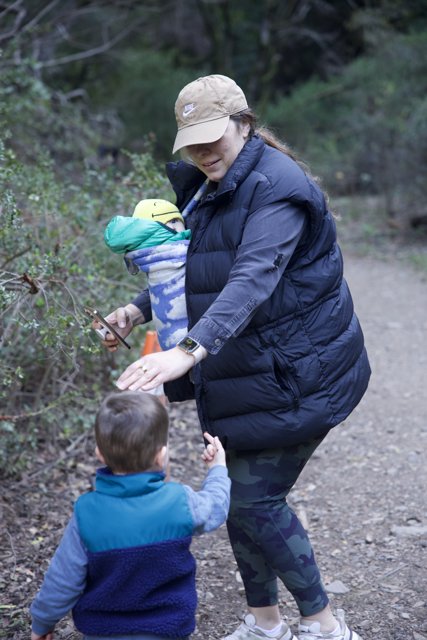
[215, 158]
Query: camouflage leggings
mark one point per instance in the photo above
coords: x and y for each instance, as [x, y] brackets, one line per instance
[267, 538]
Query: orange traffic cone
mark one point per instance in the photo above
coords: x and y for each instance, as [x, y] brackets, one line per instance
[151, 343]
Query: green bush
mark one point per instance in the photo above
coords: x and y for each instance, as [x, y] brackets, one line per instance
[53, 262]
[142, 86]
[364, 130]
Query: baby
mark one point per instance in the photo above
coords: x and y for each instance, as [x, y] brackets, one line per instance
[154, 240]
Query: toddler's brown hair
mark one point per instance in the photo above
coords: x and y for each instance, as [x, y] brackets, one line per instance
[130, 429]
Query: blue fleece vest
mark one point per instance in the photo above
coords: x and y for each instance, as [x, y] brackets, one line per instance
[300, 366]
[141, 575]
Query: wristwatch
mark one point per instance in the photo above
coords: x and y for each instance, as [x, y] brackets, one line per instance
[193, 348]
[188, 345]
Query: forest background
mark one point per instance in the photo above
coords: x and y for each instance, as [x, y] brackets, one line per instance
[87, 89]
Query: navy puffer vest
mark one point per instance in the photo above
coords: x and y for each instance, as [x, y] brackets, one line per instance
[300, 366]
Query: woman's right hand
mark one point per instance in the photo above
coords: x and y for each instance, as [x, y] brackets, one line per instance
[154, 369]
[123, 319]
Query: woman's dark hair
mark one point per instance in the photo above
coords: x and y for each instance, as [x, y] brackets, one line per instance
[249, 117]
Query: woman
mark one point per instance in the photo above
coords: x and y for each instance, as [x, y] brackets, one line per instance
[275, 352]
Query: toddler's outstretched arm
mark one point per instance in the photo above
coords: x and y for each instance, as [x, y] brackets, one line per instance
[209, 506]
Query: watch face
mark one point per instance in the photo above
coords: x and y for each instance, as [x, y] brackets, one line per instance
[188, 344]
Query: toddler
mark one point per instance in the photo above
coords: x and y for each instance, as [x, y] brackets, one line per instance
[124, 566]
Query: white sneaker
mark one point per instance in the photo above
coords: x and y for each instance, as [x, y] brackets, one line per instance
[249, 631]
[342, 632]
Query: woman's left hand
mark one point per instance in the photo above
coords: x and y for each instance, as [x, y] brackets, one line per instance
[154, 369]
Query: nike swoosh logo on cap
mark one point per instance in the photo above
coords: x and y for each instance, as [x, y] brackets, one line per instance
[189, 108]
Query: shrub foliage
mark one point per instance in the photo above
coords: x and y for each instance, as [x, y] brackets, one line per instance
[55, 201]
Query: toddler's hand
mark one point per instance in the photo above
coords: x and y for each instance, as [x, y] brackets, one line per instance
[214, 452]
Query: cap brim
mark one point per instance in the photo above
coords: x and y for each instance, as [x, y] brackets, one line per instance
[201, 133]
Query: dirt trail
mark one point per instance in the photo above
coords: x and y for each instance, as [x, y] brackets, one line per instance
[373, 470]
[362, 496]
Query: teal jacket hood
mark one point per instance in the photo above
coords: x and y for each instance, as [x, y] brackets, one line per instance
[124, 234]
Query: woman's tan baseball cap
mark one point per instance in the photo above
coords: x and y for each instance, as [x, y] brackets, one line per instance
[203, 109]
